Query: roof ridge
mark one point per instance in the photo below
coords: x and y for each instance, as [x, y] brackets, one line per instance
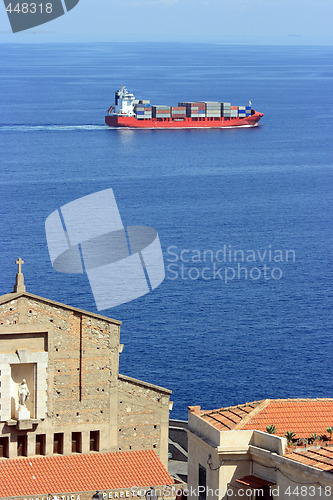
[146, 384]
[216, 410]
[301, 400]
[16, 295]
[78, 456]
[260, 401]
[264, 403]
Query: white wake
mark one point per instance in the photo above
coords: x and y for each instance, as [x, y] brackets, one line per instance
[50, 128]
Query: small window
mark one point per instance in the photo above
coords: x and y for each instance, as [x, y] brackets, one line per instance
[40, 444]
[22, 446]
[58, 443]
[202, 482]
[4, 447]
[94, 440]
[76, 442]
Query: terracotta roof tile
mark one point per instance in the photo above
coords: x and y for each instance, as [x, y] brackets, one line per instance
[302, 416]
[73, 473]
[321, 458]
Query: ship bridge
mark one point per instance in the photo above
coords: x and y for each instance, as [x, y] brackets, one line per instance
[124, 102]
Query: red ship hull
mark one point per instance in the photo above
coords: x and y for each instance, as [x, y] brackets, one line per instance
[161, 123]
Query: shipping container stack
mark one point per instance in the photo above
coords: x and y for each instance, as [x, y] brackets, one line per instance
[194, 109]
[198, 110]
[234, 111]
[143, 110]
[202, 110]
[244, 111]
[226, 109]
[178, 112]
[210, 109]
[161, 111]
[213, 109]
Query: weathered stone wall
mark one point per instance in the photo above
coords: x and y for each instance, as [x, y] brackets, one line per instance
[84, 391]
[83, 361]
[143, 417]
[9, 314]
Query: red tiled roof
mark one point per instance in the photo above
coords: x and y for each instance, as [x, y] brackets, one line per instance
[302, 416]
[79, 473]
[321, 458]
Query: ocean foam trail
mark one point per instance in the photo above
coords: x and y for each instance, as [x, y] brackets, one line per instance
[47, 128]
[75, 128]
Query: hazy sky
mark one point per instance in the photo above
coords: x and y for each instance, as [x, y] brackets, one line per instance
[187, 19]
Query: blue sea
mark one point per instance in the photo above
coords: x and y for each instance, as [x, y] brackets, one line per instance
[219, 330]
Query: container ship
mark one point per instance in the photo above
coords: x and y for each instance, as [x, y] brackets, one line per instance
[140, 113]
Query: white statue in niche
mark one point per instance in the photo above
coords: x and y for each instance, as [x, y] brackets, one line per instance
[24, 393]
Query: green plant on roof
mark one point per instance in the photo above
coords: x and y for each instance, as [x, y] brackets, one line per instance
[313, 437]
[290, 436]
[329, 430]
[271, 429]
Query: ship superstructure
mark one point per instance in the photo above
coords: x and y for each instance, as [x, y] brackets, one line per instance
[124, 102]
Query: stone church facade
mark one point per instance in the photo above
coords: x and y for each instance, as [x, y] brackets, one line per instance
[77, 400]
